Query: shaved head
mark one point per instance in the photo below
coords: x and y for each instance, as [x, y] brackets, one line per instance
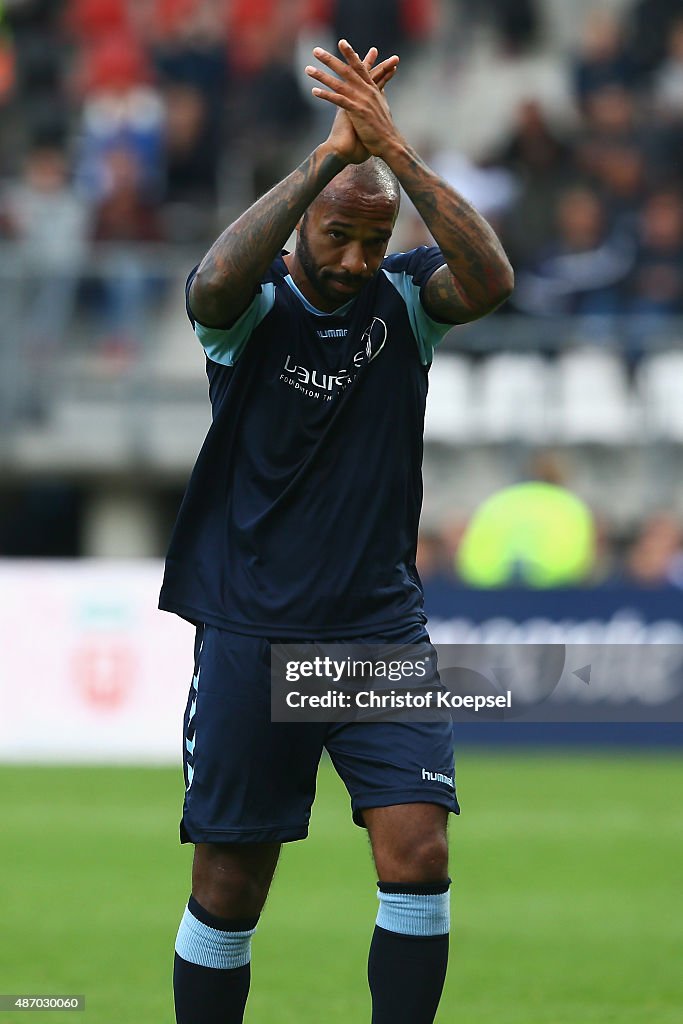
[371, 178]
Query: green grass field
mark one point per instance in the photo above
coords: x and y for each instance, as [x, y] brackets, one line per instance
[567, 903]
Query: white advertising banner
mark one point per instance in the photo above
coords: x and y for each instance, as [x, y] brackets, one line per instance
[90, 669]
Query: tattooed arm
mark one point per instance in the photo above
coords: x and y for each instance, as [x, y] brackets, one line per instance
[477, 276]
[229, 274]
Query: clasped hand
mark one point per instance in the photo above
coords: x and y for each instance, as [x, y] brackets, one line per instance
[363, 125]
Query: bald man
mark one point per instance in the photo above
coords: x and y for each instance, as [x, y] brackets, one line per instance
[300, 522]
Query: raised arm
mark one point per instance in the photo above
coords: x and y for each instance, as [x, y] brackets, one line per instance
[229, 274]
[477, 276]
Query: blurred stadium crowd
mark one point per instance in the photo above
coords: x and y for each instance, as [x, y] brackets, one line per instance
[134, 129]
[598, 225]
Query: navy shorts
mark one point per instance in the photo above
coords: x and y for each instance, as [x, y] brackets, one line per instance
[251, 780]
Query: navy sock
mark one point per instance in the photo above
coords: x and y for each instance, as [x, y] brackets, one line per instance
[206, 995]
[407, 968]
[211, 969]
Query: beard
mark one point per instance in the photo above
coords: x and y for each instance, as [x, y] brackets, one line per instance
[321, 279]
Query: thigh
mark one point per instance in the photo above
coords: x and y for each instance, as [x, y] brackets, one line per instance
[386, 764]
[248, 780]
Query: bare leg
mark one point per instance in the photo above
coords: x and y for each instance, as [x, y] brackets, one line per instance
[211, 970]
[232, 880]
[409, 951]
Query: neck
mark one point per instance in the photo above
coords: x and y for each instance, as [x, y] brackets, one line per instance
[303, 283]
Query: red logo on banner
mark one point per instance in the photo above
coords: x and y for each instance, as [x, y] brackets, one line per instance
[104, 671]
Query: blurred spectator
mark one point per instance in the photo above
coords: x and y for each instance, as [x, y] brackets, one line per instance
[656, 284]
[364, 24]
[611, 111]
[656, 557]
[618, 146]
[518, 22]
[542, 162]
[276, 114]
[123, 217]
[581, 273]
[432, 556]
[536, 534]
[515, 22]
[649, 24]
[49, 222]
[120, 108]
[604, 59]
[39, 55]
[668, 81]
[610, 120]
[125, 213]
[533, 149]
[190, 50]
[451, 533]
[92, 21]
[191, 147]
[7, 66]
[259, 30]
[616, 151]
[607, 555]
[420, 20]
[620, 173]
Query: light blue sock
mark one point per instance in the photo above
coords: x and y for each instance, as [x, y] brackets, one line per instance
[413, 914]
[200, 944]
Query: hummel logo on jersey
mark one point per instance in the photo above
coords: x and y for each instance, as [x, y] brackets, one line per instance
[437, 777]
[333, 332]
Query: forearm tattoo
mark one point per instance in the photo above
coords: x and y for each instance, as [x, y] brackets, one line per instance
[235, 263]
[478, 276]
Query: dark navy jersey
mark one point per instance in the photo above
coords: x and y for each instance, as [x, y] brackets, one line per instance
[301, 514]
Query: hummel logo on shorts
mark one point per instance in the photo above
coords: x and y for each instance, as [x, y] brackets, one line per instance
[437, 777]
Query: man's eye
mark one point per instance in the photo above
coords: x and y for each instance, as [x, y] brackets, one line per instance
[337, 235]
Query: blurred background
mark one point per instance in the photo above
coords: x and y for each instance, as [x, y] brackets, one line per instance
[131, 133]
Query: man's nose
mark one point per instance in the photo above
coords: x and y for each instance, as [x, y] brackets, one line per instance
[353, 260]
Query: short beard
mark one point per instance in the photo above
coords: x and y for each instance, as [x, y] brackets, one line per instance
[305, 258]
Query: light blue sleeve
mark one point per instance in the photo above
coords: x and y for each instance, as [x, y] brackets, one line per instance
[428, 333]
[227, 345]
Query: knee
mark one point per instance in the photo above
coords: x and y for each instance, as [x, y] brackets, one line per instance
[423, 860]
[230, 895]
[429, 860]
[229, 884]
